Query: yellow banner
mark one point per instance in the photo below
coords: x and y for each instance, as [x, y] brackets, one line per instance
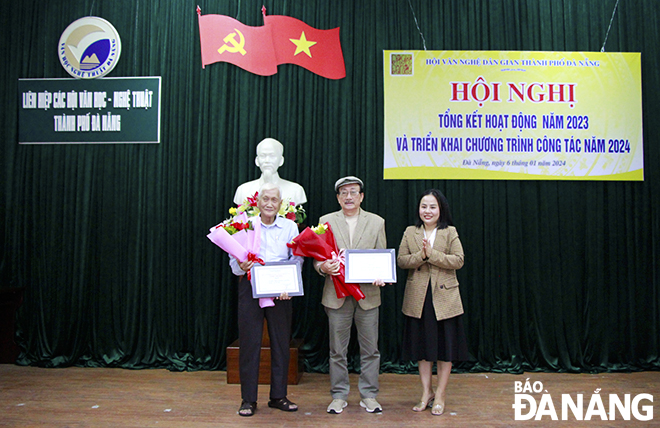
[494, 115]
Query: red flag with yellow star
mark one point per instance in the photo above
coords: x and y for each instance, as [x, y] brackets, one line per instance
[225, 39]
[295, 42]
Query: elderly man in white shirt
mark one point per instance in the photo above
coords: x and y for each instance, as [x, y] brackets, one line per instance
[276, 232]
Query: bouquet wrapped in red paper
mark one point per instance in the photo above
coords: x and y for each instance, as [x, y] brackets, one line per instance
[319, 243]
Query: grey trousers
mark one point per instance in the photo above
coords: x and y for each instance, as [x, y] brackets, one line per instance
[340, 321]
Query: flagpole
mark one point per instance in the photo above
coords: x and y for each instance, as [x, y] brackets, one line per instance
[199, 22]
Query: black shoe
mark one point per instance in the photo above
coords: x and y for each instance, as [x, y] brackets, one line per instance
[283, 404]
[247, 408]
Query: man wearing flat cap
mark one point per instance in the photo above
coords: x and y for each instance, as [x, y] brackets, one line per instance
[354, 228]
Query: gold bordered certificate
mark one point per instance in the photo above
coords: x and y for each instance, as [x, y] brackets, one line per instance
[275, 278]
[366, 266]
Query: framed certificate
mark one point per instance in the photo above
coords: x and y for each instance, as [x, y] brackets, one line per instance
[366, 266]
[275, 278]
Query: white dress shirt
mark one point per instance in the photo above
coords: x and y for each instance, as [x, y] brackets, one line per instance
[272, 248]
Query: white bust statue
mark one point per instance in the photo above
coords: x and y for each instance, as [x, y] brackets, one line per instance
[269, 158]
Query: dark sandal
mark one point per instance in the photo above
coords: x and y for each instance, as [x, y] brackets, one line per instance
[247, 408]
[283, 404]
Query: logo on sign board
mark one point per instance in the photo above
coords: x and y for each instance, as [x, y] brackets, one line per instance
[89, 48]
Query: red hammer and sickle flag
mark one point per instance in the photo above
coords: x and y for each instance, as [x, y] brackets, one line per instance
[225, 39]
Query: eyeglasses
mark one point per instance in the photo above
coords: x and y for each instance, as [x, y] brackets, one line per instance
[344, 193]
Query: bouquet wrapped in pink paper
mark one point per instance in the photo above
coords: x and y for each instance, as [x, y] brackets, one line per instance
[240, 239]
[319, 243]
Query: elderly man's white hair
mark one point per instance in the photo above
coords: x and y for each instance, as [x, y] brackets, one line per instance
[270, 186]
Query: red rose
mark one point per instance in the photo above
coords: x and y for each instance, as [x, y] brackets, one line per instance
[240, 226]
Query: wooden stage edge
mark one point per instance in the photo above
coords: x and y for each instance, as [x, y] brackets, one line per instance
[101, 397]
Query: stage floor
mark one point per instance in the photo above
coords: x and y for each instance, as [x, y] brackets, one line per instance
[99, 397]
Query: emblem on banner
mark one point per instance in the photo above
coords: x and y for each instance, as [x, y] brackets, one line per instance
[402, 64]
[89, 47]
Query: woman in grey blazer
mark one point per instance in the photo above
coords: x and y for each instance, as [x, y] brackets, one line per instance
[431, 251]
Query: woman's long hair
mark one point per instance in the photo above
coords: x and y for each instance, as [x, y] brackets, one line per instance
[445, 214]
